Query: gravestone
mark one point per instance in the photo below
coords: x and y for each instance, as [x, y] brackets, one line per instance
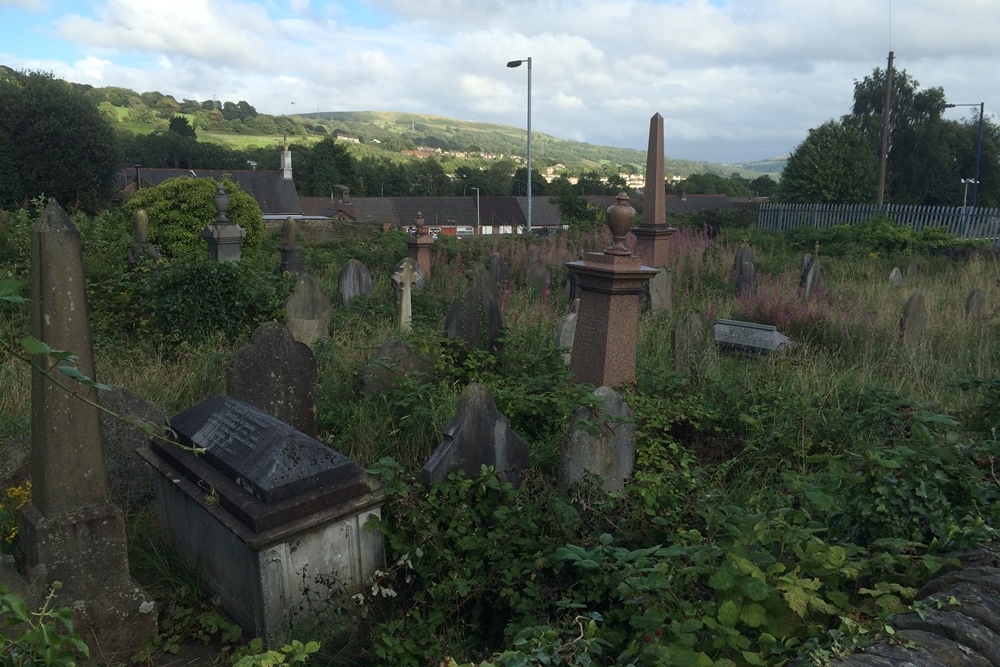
[69, 532]
[609, 453]
[805, 263]
[141, 247]
[272, 518]
[475, 317]
[308, 311]
[812, 276]
[895, 277]
[536, 273]
[355, 280]
[975, 303]
[749, 337]
[912, 270]
[497, 266]
[743, 257]
[572, 287]
[478, 435]
[418, 285]
[276, 374]
[688, 341]
[392, 361]
[913, 320]
[661, 288]
[746, 281]
[291, 252]
[566, 331]
[223, 236]
[130, 484]
[405, 278]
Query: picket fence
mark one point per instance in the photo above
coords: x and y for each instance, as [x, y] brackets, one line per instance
[962, 221]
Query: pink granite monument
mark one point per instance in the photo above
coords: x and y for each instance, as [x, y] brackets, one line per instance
[607, 327]
[652, 233]
[419, 246]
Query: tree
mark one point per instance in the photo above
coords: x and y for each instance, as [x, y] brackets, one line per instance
[763, 186]
[835, 163]
[322, 169]
[180, 125]
[54, 142]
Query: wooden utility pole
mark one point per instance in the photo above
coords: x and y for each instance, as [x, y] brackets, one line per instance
[884, 153]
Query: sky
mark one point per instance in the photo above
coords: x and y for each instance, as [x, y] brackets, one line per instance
[735, 80]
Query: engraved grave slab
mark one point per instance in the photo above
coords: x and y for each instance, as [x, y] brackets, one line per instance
[749, 337]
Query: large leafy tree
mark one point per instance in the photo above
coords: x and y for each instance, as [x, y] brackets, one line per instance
[835, 163]
[54, 142]
[322, 169]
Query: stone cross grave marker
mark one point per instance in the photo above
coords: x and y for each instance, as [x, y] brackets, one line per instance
[309, 311]
[687, 341]
[406, 277]
[277, 374]
[355, 280]
[913, 320]
[609, 453]
[749, 337]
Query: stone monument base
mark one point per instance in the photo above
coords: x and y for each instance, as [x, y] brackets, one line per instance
[651, 243]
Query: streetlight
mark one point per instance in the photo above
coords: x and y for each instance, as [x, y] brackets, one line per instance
[517, 63]
[979, 149]
[965, 197]
[477, 209]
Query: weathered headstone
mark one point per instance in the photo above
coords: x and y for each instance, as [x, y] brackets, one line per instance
[661, 290]
[912, 270]
[418, 285]
[975, 303]
[744, 255]
[566, 331]
[536, 273]
[291, 252]
[141, 247]
[271, 517]
[308, 311]
[895, 277]
[497, 266]
[223, 236]
[68, 531]
[812, 276]
[355, 280]
[130, 484]
[393, 360]
[609, 453]
[746, 281]
[913, 320]
[475, 317]
[749, 337]
[805, 263]
[406, 277]
[687, 341]
[478, 435]
[276, 374]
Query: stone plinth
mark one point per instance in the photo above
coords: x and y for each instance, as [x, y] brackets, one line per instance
[651, 244]
[607, 327]
[418, 248]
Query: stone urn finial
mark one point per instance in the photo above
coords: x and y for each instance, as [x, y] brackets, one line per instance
[418, 222]
[221, 200]
[620, 217]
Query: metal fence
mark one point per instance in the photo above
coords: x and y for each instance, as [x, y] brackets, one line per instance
[962, 221]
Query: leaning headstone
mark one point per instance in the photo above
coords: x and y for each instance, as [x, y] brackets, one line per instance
[536, 273]
[141, 247]
[291, 252]
[308, 311]
[812, 277]
[749, 337]
[687, 341]
[805, 263]
[405, 278]
[355, 280]
[609, 453]
[746, 281]
[475, 317]
[661, 287]
[913, 320]
[497, 266]
[975, 303]
[130, 484]
[69, 532]
[276, 374]
[566, 332]
[895, 277]
[392, 361]
[478, 435]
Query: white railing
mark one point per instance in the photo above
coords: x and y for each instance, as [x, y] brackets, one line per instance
[962, 221]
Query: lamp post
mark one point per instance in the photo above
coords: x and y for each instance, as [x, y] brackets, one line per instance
[979, 149]
[517, 63]
[477, 209]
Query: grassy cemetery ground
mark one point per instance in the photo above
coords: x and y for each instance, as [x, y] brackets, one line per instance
[781, 508]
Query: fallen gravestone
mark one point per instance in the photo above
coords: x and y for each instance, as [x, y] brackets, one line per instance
[277, 374]
[479, 435]
[895, 277]
[975, 303]
[271, 517]
[355, 280]
[749, 337]
[130, 484]
[687, 341]
[608, 453]
[308, 310]
[392, 361]
[475, 317]
[661, 290]
[566, 332]
[913, 320]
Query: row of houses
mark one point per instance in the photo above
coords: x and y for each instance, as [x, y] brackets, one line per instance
[275, 193]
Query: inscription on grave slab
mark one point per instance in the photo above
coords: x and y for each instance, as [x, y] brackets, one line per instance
[749, 336]
[267, 457]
